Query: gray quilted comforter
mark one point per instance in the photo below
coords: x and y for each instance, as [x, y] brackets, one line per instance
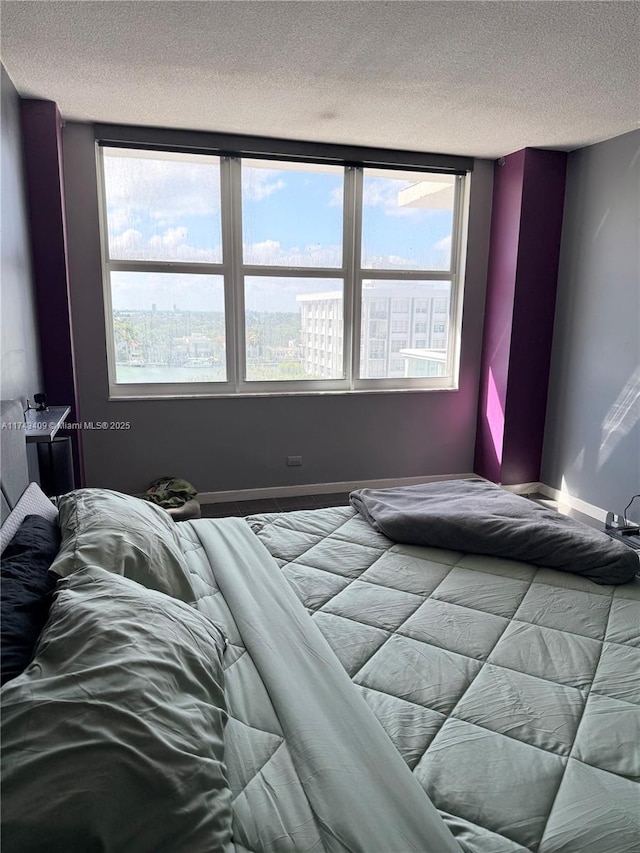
[481, 518]
[511, 691]
[308, 765]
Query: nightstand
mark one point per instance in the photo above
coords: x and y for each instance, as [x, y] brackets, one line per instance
[55, 462]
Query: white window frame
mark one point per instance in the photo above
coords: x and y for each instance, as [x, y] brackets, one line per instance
[233, 271]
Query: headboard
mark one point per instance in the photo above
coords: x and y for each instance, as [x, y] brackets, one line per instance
[13, 447]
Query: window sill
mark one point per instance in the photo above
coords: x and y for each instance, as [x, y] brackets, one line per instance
[198, 395]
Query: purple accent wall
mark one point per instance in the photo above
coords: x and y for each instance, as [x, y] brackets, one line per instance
[42, 150]
[526, 227]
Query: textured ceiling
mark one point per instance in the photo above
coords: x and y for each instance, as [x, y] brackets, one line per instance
[471, 78]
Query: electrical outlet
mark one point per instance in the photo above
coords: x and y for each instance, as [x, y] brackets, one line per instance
[294, 460]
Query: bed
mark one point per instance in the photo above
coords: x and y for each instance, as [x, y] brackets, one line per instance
[302, 682]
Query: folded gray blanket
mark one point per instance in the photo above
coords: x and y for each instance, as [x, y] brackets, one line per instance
[478, 517]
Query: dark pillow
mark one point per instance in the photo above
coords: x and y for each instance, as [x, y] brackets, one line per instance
[26, 587]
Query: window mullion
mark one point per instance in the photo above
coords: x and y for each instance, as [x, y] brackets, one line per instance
[165, 267]
[234, 285]
[458, 266]
[407, 275]
[106, 272]
[293, 272]
[353, 280]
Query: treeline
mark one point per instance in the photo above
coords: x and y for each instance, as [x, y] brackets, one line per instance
[160, 330]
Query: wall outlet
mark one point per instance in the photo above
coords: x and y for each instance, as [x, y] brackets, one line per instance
[294, 460]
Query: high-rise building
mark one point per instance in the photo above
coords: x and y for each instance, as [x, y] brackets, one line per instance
[401, 322]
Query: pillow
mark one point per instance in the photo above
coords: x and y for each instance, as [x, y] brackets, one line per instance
[125, 535]
[33, 501]
[26, 587]
[113, 736]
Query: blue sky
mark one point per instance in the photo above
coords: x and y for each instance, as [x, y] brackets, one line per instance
[169, 209]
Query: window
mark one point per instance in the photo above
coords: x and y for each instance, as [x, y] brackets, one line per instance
[378, 329]
[377, 351]
[399, 326]
[238, 275]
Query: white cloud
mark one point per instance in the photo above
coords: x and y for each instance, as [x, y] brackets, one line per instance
[442, 256]
[385, 262]
[267, 293]
[126, 245]
[171, 239]
[271, 253]
[383, 192]
[164, 190]
[444, 245]
[119, 219]
[438, 257]
[171, 245]
[336, 198]
[258, 183]
[140, 290]
[399, 261]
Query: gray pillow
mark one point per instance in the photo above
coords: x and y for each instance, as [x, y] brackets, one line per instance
[113, 735]
[125, 535]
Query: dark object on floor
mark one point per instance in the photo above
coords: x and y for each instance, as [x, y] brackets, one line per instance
[283, 504]
[175, 495]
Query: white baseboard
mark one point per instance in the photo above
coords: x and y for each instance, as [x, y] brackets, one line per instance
[524, 488]
[565, 499]
[320, 488]
[562, 498]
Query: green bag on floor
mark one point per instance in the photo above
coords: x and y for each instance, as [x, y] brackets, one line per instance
[169, 492]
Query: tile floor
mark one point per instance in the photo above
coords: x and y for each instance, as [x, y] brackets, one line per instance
[242, 508]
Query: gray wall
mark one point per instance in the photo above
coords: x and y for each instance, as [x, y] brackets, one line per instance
[20, 375]
[592, 436]
[229, 444]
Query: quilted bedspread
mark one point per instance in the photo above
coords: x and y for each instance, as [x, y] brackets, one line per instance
[307, 763]
[512, 692]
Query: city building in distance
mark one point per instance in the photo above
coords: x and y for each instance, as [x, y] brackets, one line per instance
[403, 330]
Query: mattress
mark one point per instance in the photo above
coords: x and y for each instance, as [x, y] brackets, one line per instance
[512, 692]
[298, 683]
[180, 700]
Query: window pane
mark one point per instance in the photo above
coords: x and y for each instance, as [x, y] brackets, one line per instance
[292, 214]
[162, 206]
[293, 328]
[407, 220]
[402, 333]
[168, 327]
